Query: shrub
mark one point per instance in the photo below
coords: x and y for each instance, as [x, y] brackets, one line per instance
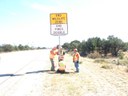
[94, 55]
[106, 66]
[123, 62]
[120, 54]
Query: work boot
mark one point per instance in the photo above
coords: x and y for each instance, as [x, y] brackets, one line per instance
[76, 71]
[52, 69]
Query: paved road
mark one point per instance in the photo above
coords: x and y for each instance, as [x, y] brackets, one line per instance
[22, 73]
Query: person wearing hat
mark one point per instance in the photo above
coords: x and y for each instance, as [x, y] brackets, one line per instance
[76, 57]
[53, 53]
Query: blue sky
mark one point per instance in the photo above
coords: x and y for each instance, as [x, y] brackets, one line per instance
[28, 21]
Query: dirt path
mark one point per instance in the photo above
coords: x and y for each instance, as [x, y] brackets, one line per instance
[91, 81]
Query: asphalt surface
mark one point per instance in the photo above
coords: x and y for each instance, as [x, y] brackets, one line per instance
[21, 73]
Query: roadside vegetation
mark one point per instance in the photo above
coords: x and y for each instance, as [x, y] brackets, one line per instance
[10, 48]
[105, 51]
[97, 47]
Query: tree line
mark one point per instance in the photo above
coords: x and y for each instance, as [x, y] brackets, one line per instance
[9, 47]
[111, 45]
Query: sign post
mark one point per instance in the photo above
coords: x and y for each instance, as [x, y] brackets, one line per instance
[58, 25]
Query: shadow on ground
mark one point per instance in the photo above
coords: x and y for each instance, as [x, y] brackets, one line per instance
[48, 71]
[39, 71]
[5, 75]
[35, 72]
[32, 72]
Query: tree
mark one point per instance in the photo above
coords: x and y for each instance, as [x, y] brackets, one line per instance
[66, 46]
[21, 47]
[96, 42]
[115, 45]
[74, 44]
[125, 48]
[105, 47]
[83, 48]
[7, 48]
[90, 46]
[111, 45]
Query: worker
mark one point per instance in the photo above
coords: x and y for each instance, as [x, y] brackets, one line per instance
[53, 53]
[76, 57]
[61, 67]
[61, 54]
[61, 63]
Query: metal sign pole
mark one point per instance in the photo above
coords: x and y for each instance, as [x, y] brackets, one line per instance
[59, 40]
[59, 49]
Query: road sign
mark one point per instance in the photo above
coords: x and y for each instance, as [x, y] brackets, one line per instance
[58, 24]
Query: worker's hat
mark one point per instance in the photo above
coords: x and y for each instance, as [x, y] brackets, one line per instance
[75, 49]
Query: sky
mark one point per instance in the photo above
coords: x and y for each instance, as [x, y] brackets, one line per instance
[27, 22]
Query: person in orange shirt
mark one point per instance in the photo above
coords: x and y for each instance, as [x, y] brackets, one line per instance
[76, 57]
[53, 53]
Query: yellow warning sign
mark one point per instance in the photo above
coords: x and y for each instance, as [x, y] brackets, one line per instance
[58, 18]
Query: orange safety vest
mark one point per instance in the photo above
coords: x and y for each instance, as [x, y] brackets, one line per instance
[53, 52]
[76, 56]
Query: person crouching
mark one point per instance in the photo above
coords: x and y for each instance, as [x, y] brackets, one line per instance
[61, 64]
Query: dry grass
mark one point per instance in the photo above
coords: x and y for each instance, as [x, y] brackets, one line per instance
[100, 61]
[103, 63]
[106, 66]
[72, 84]
[123, 62]
[78, 84]
[127, 70]
[94, 55]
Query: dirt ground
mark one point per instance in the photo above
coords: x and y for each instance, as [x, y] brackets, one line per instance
[92, 80]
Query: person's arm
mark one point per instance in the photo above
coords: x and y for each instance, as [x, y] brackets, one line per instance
[78, 57]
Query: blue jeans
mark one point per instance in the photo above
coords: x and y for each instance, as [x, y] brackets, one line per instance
[76, 66]
[52, 65]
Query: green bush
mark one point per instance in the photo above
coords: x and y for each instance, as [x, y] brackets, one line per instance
[120, 54]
